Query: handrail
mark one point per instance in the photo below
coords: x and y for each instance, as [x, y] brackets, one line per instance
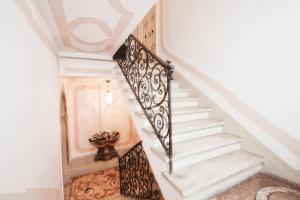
[149, 78]
[136, 176]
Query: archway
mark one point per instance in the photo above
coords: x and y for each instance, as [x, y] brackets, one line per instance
[64, 140]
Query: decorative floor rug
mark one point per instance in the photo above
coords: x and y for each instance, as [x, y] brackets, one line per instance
[103, 185]
[262, 187]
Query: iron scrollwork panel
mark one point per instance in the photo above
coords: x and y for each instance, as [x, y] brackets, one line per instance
[149, 78]
[136, 177]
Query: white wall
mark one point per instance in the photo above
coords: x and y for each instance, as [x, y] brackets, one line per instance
[249, 47]
[29, 104]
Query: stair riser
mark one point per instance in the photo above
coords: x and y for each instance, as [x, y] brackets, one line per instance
[196, 158]
[174, 94]
[190, 117]
[184, 104]
[174, 85]
[190, 135]
[175, 104]
[183, 118]
[179, 94]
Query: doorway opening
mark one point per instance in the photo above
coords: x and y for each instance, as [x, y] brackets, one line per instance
[64, 141]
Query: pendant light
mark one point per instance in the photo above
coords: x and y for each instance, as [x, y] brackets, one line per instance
[108, 99]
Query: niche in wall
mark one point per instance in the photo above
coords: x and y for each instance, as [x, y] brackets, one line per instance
[89, 114]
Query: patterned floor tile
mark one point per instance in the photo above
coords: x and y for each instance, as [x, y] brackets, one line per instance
[103, 185]
[262, 187]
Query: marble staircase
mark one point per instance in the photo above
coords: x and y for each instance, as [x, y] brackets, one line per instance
[206, 160]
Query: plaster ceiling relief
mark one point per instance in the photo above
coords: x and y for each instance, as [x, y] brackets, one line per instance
[80, 45]
[90, 25]
[97, 9]
[90, 34]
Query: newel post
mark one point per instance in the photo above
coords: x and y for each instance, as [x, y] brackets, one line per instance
[170, 78]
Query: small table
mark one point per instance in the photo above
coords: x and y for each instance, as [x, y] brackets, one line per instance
[105, 144]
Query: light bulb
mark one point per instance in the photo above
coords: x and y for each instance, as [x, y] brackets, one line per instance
[108, 99]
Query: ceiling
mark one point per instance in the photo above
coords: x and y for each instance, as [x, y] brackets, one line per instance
[92, 26]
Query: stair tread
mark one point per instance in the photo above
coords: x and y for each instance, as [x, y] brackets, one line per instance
[183, 111]
[189, 147]
[174, 99]
[197, 177]
[184, 127]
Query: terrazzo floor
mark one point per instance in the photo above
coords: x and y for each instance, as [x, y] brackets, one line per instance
[262, 187]
[104, 185]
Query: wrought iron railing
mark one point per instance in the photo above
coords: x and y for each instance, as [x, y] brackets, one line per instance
[136, 177]
[150, 80]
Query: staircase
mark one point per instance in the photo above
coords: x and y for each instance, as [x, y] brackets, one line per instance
[205, 160]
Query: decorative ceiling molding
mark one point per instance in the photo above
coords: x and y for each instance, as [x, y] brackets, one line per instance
[85, 56]
[72, 67]
[74, 41]
[92, 28]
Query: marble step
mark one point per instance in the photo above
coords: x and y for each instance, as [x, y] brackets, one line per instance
[174, 84]
[194, 151]
[191, 130]
[202, 180]
[120, 76]
[189, 110]
[176, 92]
[182, 115]
[177, 102]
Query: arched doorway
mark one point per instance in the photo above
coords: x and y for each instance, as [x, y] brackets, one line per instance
[64, 140]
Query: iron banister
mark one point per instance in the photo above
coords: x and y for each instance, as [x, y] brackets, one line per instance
[149, 78]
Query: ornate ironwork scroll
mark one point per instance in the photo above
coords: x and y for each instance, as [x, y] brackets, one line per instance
[136, 177]
[150, 80]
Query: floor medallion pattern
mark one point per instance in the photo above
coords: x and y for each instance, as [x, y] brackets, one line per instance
[262, 187]
[103, 185]
[267, 193]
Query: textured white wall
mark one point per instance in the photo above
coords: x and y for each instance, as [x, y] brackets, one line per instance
[249, 47]
[29, 104]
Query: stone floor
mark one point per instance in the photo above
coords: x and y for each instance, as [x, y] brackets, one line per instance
[262, 187]
[104, 185]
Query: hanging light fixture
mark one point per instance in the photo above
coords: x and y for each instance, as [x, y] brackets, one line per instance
[108, 99]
